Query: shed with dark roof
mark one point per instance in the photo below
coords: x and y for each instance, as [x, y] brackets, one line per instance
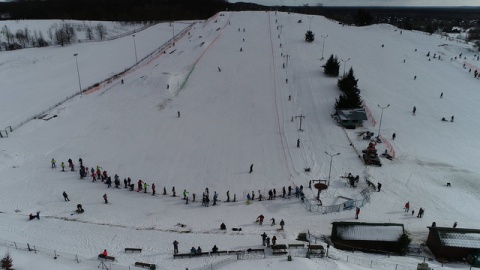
[453, 243]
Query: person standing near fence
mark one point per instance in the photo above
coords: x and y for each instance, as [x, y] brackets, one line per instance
[357, 212]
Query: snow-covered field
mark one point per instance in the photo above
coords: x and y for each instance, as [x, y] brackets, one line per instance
[229, 120]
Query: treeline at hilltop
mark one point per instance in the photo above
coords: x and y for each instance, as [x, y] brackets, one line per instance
[112, 10]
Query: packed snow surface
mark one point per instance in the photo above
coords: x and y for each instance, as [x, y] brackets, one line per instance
[198, 113]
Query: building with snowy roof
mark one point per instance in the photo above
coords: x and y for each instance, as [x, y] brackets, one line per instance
[351, 118]
[454, 243]
[368, 237]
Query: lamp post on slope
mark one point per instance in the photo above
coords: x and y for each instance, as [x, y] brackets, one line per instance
[323, 46]
[344, 65]
[380, 125]
[330, 170]
[135, 48]
[78, 73]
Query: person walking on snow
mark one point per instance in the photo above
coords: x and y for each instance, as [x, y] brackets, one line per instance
[282, 223]
[175, 247]
[53, 163]
[139, 185]
[393, 136]
[274, 240]
[407, 206]
[145, 186]
[63, 167]
[153, 189]
[264, 238]
[105, 198]
[65, 196]
[273, 221]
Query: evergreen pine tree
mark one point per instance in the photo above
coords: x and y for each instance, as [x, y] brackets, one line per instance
[7, 262]
[347, 82]
[332, 66]
[309, 36]
[349, 100]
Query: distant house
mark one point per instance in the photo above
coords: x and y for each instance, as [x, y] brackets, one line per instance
[351, 118]
[454, 243]
[368, 237]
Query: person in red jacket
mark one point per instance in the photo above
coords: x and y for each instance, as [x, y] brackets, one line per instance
[104, 254]
[260, 219]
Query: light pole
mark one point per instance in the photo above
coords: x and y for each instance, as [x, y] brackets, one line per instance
[344, 65]
[78, 73]
[380, 125]
[310, 22]
[330, 170]
[135, 48]
[323, 46]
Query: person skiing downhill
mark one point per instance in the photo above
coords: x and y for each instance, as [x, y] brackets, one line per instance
[53, 163]
[251, 169]
[105, 198]
[65, 196]
[407, 206]
[63, 167]
[153, 189]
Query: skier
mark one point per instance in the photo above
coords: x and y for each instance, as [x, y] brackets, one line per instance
[139, 183]
[260, 219]
[357, 212]
[248, 199]
[173, 191]
[274, 240]
[99, 173]
[63, 167]
[185, 194]
[289, 191]
[441, 95]
[264, 238]
[65, 196]
[79, 208]
[298, 143]
[145, 186]
[215, 197]
[284, 192]
[193, 251]
[270, 194]
[70, 164]
[193, 197]
[109, 182]
[153, 189]
[80, 161]
[451, 119]
[53, 163]
[228, 196]
[32, 216]
[414, 110]
[223, 226]
[214, 249]
[125, 182]
[273, 221]
[455, 224]
[379, 186]
[175, 247]
[268, 241]
[393, 136]
[93, 176]
[105, 198]
[407, 206]
[420, 213]
[251, 168]
[282, 223]
[164, 191]
[234, 197]
[178, 114]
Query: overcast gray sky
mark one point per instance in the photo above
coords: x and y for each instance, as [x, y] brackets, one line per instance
[364, 2]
